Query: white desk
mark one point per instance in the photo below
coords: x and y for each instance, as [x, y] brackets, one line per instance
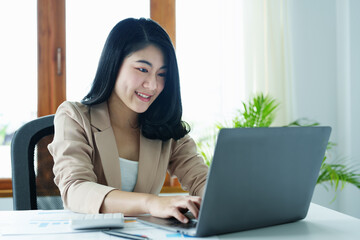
[321, 223]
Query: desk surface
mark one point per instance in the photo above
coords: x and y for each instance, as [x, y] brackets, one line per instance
[320, 223]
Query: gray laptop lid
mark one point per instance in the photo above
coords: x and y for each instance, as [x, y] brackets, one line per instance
[260, 177]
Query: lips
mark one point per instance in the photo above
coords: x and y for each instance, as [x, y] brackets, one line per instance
[143, 97]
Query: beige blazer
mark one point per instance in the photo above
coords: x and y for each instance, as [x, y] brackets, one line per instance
[86, 160]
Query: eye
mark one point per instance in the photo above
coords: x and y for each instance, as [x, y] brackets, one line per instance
[162, 74]
[142, 70]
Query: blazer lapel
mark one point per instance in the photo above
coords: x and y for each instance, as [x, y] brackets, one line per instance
[149, 159]
[106, 144]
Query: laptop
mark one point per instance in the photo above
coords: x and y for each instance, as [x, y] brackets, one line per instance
[259, 177]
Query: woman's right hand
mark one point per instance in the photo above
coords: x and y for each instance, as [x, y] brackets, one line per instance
[173, 206]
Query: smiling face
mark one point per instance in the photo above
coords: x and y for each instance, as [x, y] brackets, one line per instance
[141, 78]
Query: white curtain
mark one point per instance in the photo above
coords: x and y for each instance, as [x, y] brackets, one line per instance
[227, 54]
[210, 54]
[267, 68]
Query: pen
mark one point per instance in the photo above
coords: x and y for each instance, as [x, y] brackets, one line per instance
[126, 235]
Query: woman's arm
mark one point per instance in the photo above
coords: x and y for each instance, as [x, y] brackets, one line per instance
[132, 203]
[73, 150]
[188, 165]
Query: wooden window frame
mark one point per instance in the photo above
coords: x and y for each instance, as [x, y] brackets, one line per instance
[52, 63]
[51, 56]
[5, 188]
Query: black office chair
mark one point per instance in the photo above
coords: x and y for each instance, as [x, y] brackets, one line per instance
[32, 176]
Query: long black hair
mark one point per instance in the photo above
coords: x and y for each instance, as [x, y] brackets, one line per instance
[162, 120]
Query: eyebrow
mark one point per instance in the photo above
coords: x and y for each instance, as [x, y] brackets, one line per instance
[149, 63]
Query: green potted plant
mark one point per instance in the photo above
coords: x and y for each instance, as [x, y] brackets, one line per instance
[260, 112]
[2, 135]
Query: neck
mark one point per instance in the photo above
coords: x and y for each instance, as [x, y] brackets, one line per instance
[120, 115]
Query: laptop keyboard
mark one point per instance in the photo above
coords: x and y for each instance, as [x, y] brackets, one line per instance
[173, 222]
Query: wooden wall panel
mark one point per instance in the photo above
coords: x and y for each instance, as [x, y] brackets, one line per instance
[51, 55]
[163, 12]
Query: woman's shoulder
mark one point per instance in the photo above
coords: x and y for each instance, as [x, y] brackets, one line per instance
[185, 142]
[74, 106]
[74, 110]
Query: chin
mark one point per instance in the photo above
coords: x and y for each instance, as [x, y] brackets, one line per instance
[140, 110]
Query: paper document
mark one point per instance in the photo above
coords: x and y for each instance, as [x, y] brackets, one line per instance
[56, 222]
[38, 222]
[156, 233]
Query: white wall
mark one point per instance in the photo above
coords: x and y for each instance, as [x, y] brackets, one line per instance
[325, 55]
[350, 200]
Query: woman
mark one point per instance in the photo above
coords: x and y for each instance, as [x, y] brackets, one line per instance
[111, 151]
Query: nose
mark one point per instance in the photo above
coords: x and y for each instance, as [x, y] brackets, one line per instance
[150, 83]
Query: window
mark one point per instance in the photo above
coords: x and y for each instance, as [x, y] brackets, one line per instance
[18, 47]
[209, 49]
[21, 67]
[86, 35]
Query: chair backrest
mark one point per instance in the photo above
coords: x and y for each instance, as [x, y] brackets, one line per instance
[26, 166]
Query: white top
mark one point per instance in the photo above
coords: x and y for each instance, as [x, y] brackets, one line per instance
[129, 173]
